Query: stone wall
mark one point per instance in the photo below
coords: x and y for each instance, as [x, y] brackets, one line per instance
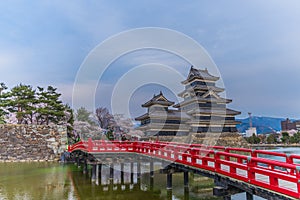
[31, 142]
[211, 139]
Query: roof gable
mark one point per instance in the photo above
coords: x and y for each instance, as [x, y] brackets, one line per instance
[209, 94]
[201, 74]
[159, 99]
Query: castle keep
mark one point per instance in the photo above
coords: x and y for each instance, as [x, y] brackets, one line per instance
[202, 110]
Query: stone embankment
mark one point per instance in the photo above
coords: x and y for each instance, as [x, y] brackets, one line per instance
[22, 143]
[274, 145]
[210, 139]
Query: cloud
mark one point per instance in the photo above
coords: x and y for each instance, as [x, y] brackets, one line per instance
[7, 60]
[97, 20]
[255, 44]
[55, 37]
[82, 96]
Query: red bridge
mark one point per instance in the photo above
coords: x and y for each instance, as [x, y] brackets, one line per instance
[268, 174]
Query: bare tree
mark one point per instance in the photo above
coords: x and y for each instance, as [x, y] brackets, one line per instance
[104, 117]
[126, 126]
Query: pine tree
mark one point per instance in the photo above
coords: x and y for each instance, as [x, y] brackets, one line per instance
[2, 104]
[84, 115]
[50, 108]
[21, 101]
[31, 107]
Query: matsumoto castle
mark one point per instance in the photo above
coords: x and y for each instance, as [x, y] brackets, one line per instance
[201, 111]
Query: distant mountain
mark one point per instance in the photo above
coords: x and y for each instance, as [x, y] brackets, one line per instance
[262, 124]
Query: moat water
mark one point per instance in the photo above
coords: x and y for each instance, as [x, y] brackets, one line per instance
[56, 181]
[22, 181]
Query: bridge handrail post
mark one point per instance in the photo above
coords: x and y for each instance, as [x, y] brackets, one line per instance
[217, 161]
[204, 159]
[149, 148]
[135, 146]
[228, 151]
[193, 155]
[298, 177]
[273, 180]
[253, 154]
[250, 165]
[90, 144]
[176, 154]
[289, 160]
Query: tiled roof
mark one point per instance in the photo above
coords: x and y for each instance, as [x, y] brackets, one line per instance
[159, 99]
[164, 126]
[201, 87]
[159, 114]
[214, 122]
[201, 74]
[215, 111]
[208, 99]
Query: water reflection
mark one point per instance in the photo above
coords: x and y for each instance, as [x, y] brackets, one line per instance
[121, 185]
[55, 181]
[34, 181]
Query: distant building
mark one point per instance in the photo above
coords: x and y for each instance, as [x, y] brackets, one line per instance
[203, 110]
[288, 125]
[250, 131]
[297, 125]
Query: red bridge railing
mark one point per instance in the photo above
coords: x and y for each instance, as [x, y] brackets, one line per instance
[278, 173]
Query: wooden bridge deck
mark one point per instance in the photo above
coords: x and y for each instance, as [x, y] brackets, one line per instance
[240, 166]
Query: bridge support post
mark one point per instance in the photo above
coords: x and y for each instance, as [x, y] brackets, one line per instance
[169, 181]
[169, 194]
[94, 172]
[227, 198]
[131, 172]
[186, 193]
[138, 169]
[151, 168]
[100, 173]
[151, 183]
[85, 167]
[138, 183]
[111, 171]
[220, 191]
[249, 196]
[122, 173]
[186, 179]
[97, 174]
[78, 161]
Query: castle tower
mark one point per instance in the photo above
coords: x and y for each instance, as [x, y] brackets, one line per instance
[202, 102]
[160, 120]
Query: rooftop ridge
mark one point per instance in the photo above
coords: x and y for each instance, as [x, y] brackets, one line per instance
[158, 99]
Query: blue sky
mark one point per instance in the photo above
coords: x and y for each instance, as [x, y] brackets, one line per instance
[255, 45]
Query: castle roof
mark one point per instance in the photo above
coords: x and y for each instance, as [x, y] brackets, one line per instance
[159, 99]
[201, 88]
[216, 111]
[201, 99]
[170, 114]
[200, 74]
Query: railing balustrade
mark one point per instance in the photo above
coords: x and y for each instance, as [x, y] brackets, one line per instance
[280, 174]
